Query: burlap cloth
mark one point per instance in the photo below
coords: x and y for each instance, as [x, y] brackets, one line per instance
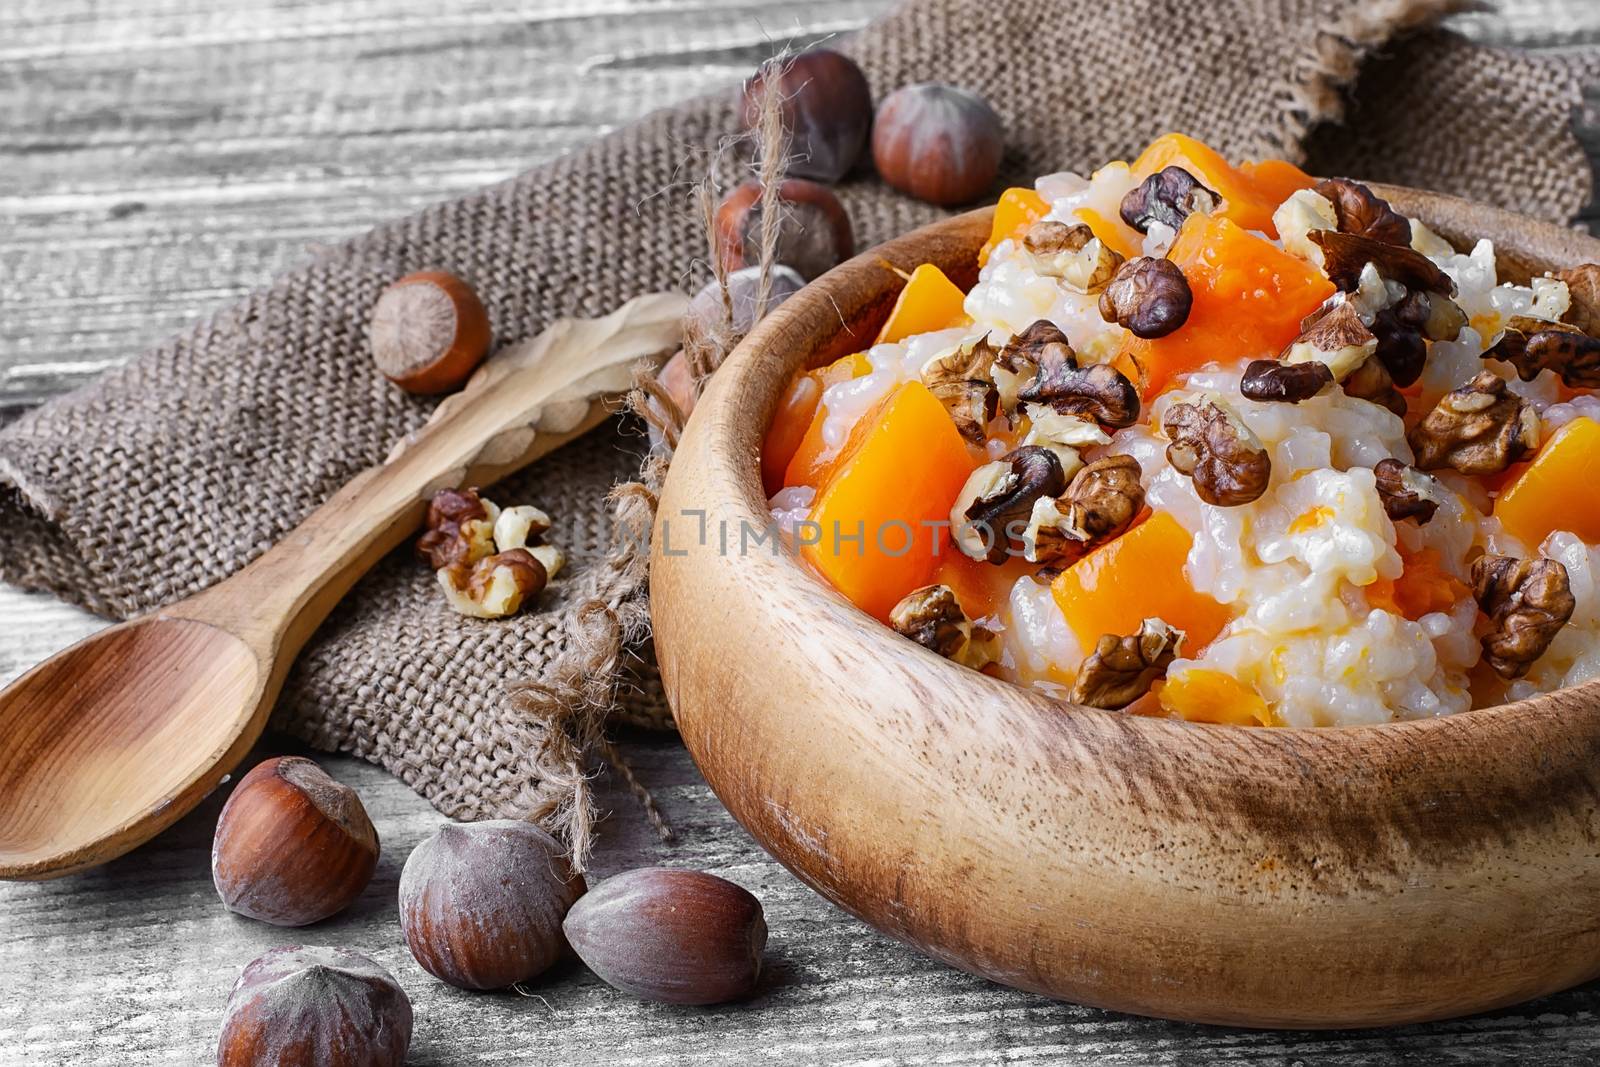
[174, 471]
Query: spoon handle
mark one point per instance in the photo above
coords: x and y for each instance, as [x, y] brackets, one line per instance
[523, 404]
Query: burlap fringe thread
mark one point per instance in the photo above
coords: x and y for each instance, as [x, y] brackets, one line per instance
[560, 718]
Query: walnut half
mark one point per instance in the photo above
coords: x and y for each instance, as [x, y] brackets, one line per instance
[1406, 492]
[1528, 601]
[933, 618]
[1480, 428]
[1209, 443]
[1120, 670]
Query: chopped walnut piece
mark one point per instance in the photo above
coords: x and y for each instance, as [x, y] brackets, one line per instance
[495, 586]
[1098, 391]
[997, 501]
[1346, 254]
[1534, 345]
[1148, 297]
[933, 618]
[1339, 340]
[1209, 443]
[460, 528]
[1361, 211]
[1072, 253]
[1062, 434]
[1427, 242]
[1583, 289]
[1169, 196]
[1372, 382]
[520, 527]
[1027, 349]
[1527, 601]
[1120, 670]
[960, 379]
[971, 405]
[1018, 361]
[1103, 499]
[1295, 219]
[1289, 383]
[1100, 502]
[1406, 492]
[1481, 428]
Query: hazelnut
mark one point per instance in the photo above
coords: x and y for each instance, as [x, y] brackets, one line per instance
[292, 846]
[827, 110]
[302, 1006]
[710, 316]
[814, 233]
[481, 903]
[429, 332]
[938, 143]
[674, 936]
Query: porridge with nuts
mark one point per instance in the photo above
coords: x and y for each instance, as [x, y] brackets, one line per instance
[1219, 442]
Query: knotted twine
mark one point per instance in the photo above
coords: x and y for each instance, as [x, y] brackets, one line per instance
[171, 473]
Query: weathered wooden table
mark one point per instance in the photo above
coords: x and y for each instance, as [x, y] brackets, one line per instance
[157, 158]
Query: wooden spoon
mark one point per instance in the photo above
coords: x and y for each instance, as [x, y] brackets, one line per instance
[107, 743]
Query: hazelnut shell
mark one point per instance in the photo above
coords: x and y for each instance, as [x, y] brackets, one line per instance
[301, 1006]
[938, 143]
[292, 845]
[429, 332]
[827, 111]
[481, 903]
[669, 935]
[814, 232]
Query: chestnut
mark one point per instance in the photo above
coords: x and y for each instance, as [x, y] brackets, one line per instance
[826, 107]
[481, 903]
[301, 1006]
[429, 332]
[814, 233]
[292, 845]
[671, 935]
[938, 143]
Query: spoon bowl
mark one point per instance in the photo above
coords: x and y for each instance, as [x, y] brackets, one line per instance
[140, 718]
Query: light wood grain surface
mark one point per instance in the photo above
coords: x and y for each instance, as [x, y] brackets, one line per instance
[159, 157]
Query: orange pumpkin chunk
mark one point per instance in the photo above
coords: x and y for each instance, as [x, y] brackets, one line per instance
[810, 460]
[1249, 298]
[797, 409]
[1557, 490]
[980, 587]
[1423, 587]
[1017, 209]
[885, 509]
[1138, 576]
[929, 302]
[1204, 695]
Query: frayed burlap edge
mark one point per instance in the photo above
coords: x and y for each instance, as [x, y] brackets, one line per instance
[1318, 95]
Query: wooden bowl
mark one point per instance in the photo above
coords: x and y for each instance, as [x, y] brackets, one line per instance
[1261, 877]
